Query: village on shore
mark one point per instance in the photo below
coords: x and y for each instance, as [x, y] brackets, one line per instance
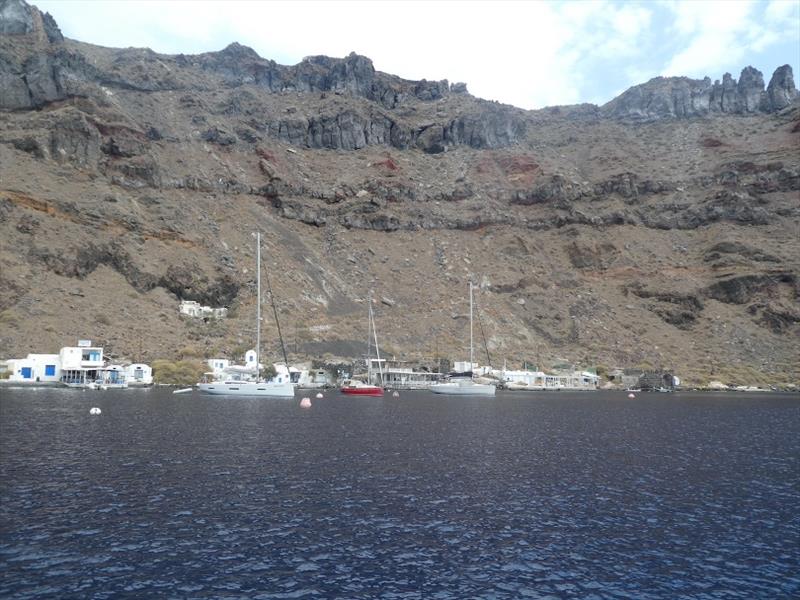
[86, 366]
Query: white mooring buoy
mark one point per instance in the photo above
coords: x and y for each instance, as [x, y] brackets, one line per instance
[94, 411]
[305, 403]
[319, 394]
[631, 396]
[395, 394]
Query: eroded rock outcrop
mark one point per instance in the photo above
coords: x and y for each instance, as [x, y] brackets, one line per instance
[186, 281]
[665, 97]
[353, 74]
[351, 130]
[743, 289]
[17, 17]
[781, 91]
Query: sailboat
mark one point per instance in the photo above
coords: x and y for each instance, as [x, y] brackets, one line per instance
[463, 384]
[235, 381]
[359, 388]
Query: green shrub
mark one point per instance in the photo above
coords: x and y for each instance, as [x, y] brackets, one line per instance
[183, 372]
[268, 372]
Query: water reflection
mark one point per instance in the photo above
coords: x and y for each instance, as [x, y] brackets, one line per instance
[552, 495]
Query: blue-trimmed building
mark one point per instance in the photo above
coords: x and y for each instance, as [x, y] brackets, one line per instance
[35, 368]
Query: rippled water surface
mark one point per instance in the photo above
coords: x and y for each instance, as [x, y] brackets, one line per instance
[556, 495]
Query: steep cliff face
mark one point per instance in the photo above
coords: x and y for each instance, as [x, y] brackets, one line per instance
[660, 228]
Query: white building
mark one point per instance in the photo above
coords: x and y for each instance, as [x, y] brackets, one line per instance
[465, 367]
[80, 364]
[305, 378]
[139, 374]
[218, 365]
[537, 380]
[401, 375]
[35, 368]
[193, 309]
[76, 366]
[223, 370]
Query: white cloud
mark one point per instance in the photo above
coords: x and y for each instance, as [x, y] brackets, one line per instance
[630, 21]
[717, 34]
[781, 11]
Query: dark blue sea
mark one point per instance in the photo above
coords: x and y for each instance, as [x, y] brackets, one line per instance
[550, 495]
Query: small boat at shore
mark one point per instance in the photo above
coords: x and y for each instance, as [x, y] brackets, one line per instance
[353, 387]
[463, 387]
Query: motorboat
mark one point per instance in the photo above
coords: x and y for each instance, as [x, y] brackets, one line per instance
[463, 387]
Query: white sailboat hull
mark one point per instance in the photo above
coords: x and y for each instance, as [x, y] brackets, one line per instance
[248, 388]
[463, 388]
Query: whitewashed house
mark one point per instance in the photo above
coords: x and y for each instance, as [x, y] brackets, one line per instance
[35, 368]
[223, 370]
[139, 374]
[193, 309]
[218, 365]
[80, 364]
[477, 370]
[304, 377]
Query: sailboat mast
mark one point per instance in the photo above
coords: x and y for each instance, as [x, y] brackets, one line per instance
[258, 305]
[277, 321]
[369, 337]
[470, 326]
[377, 350]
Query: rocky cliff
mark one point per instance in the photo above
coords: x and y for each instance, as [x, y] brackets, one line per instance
[660, 228]
[669, 97]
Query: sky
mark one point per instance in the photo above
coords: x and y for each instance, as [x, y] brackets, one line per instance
[530, 54]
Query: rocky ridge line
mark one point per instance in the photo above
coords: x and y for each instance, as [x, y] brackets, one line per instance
[55, 73]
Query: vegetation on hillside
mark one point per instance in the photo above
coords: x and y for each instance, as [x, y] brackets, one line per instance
[182, 372]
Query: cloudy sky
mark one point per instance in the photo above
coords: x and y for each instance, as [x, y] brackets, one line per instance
[529, 54]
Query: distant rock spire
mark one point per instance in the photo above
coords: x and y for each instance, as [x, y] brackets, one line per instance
[781, 91]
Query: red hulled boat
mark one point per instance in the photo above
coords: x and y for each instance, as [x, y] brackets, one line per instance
[359, 388]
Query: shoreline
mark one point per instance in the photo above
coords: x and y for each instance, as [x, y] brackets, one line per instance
[4, 383]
